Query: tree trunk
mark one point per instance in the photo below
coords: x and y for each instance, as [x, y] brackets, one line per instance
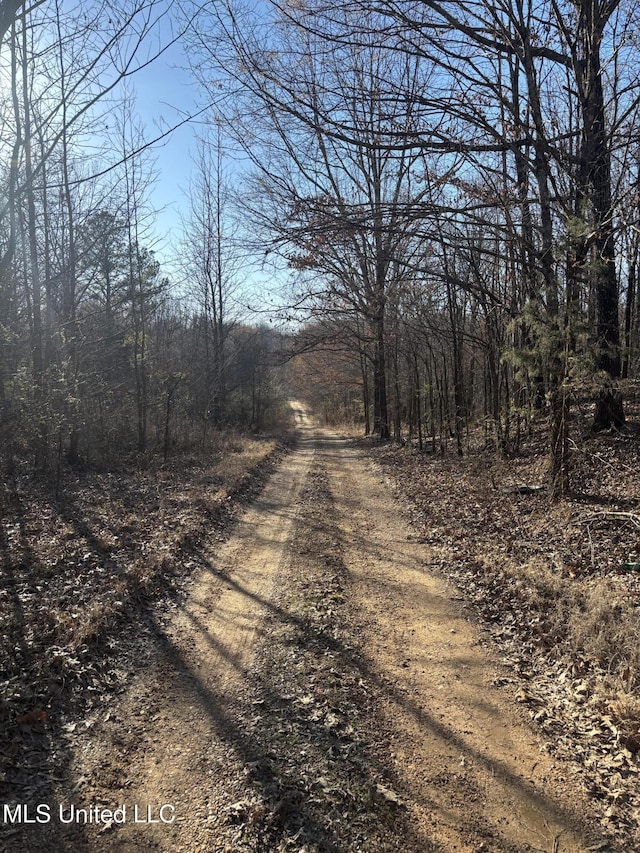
[594, 183]
[559, 455]
[365, 392]
[609, 410]
[34, 290]
[381, 411]
[629, 312]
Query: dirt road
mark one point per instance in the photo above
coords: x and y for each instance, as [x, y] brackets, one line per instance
[318, 689]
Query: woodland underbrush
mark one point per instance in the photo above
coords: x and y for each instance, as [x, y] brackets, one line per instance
[556, 584]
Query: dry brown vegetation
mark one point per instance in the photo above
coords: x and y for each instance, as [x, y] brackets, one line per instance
[556, 584]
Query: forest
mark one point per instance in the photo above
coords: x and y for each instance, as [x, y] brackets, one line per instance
[448, 194]
[422, 220]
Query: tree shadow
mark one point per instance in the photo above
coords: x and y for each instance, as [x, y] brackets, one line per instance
[277, 784]
[292, 810]
[605, 500]
[33, 750]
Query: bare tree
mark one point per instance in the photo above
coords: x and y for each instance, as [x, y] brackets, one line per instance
[64, 64]
[339, 207]
[212, 268]
[573, 63]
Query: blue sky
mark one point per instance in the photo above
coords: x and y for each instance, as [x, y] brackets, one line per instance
[165, 92]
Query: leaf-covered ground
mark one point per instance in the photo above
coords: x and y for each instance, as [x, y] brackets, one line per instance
[556, 585]
[315, 688]
[77, 568]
